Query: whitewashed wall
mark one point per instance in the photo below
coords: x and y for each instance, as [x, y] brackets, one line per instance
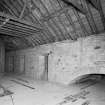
[67, 60]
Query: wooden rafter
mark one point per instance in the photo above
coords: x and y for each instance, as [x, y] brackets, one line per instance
[5, 7]
[97, 5]
[76, 5]
[63, 7]
[10, 6]
[45, 32]
[22, 12]
[101, 12]
[73, 26]
[89, 17]
[53, 26]
[80, 22]
[42, 22]
[56, 23]
[94, 3]
[37, 27]
[68, 34]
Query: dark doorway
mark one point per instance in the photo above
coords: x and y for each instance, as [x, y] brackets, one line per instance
[43, 67]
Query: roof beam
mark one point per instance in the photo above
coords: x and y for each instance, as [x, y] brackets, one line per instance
[97, 5]
[45, 32]
[30, 25]
[81, 23]
[62, 6]
[22, 12]
[76, 5]
[89, 17]
[94, 3]
[101, 12]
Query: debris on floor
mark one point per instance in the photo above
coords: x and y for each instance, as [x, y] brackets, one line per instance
[4, 92]
[86, 103]
[23, 84]
[75, 97]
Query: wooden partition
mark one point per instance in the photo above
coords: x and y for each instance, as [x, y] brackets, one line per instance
[2, 56]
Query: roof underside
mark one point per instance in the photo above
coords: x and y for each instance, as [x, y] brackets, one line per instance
[29, 23]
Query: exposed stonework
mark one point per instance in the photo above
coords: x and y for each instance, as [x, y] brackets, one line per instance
[67, 60]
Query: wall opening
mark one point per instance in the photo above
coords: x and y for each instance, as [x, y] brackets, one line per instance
[43, 67]
[11, 65]
[89, 78]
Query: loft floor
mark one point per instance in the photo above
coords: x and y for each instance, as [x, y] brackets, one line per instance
[26, 91]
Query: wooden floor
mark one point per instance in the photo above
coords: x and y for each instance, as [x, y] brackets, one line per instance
[19, 90]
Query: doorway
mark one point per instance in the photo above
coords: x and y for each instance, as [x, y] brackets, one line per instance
[10, 63]
[22, 64]
[43, 67]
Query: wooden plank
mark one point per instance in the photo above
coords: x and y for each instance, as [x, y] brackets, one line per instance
[20, 83]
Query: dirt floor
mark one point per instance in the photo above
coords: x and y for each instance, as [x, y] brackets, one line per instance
[19, 90]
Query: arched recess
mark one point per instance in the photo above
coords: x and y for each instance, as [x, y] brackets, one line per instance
[90, 77]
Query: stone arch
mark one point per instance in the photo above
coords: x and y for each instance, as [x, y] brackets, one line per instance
[89, 76]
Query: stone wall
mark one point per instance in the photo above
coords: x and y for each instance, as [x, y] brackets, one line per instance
[67, 60]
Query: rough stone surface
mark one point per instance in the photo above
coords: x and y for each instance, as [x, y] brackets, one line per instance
[67, 60]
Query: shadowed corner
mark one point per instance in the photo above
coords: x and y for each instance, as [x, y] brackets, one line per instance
[88, 78]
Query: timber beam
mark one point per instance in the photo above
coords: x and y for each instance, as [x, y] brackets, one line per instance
[23, 22]
[76, 5]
